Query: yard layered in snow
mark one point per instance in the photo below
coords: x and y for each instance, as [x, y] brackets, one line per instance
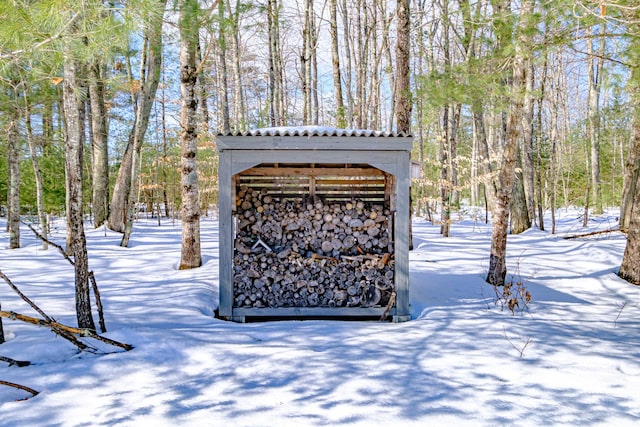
[572, 359]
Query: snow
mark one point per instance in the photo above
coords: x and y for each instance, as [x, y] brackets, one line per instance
[572, 358]
[317, 131]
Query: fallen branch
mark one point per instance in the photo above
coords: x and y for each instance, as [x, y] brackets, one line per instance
[23, 296]
[55, 245]
[20, 387]
[82, 346]
[592, 233]
[92, 277]
[59, 327]
[519, 349]
[96, 293]
[13, 362]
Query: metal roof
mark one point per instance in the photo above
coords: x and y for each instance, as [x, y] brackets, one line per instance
[315, 131]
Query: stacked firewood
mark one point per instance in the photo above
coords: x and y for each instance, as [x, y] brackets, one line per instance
[310, 253]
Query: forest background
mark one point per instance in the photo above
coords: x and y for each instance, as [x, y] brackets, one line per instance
[110, 108]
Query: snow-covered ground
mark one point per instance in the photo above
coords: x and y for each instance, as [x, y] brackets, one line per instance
[573, 358]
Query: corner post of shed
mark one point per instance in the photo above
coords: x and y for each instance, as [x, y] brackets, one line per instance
[401, 236]
[225, 232]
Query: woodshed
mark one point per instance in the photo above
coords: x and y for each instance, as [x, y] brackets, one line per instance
[314, 223]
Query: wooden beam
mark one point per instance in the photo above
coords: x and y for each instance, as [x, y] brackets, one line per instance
[311, 171]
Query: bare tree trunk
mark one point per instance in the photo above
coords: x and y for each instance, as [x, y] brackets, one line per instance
[224, 73]
[445, 182]
[630, 267]
[13, 211]
[527, 150]
[538, 164]
[42, 215]
[2, 340]
[163, 111]
[315, 104]
[149, 80]
[77, 246]
[497, 260]
[403, 102]
[335, 62]
[522, 206]
[305, 63]
[632, 171]
[519, 215]
[276, 96]
[190, 255]
[202, 93]
[386, 47]
[99, 145]
[348, 54]
[238, 94]
[593, 118]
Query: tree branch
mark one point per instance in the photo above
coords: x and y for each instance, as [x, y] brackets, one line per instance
[20, 387]
[61, 329]
[12, 362]
[13, 55]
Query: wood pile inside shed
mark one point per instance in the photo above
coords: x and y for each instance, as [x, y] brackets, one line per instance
[311, 252]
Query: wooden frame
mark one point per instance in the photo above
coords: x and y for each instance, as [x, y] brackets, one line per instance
[300, 151]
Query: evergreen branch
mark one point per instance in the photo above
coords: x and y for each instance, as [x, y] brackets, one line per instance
[13, 55]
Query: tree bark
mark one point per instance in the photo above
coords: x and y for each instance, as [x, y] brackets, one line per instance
[238, 93]
[99, 145]
[42, 215]
[632, 172]
[527, 150]
[74, 143]
[630, 267]
[276, 96]
[596, 63]
[1, 328]
[149, 80]
[497, 260]
[519, 214]
[305, 63]
[348, 55]
[403, 103]
[445, 182]
[190, 254]
[224, 73]
[13, 211]
[335, 63]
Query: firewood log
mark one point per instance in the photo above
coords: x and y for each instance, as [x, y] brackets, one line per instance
[306, 252]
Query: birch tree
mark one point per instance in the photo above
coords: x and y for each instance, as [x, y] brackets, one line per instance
[189, 32]
[506, 175]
